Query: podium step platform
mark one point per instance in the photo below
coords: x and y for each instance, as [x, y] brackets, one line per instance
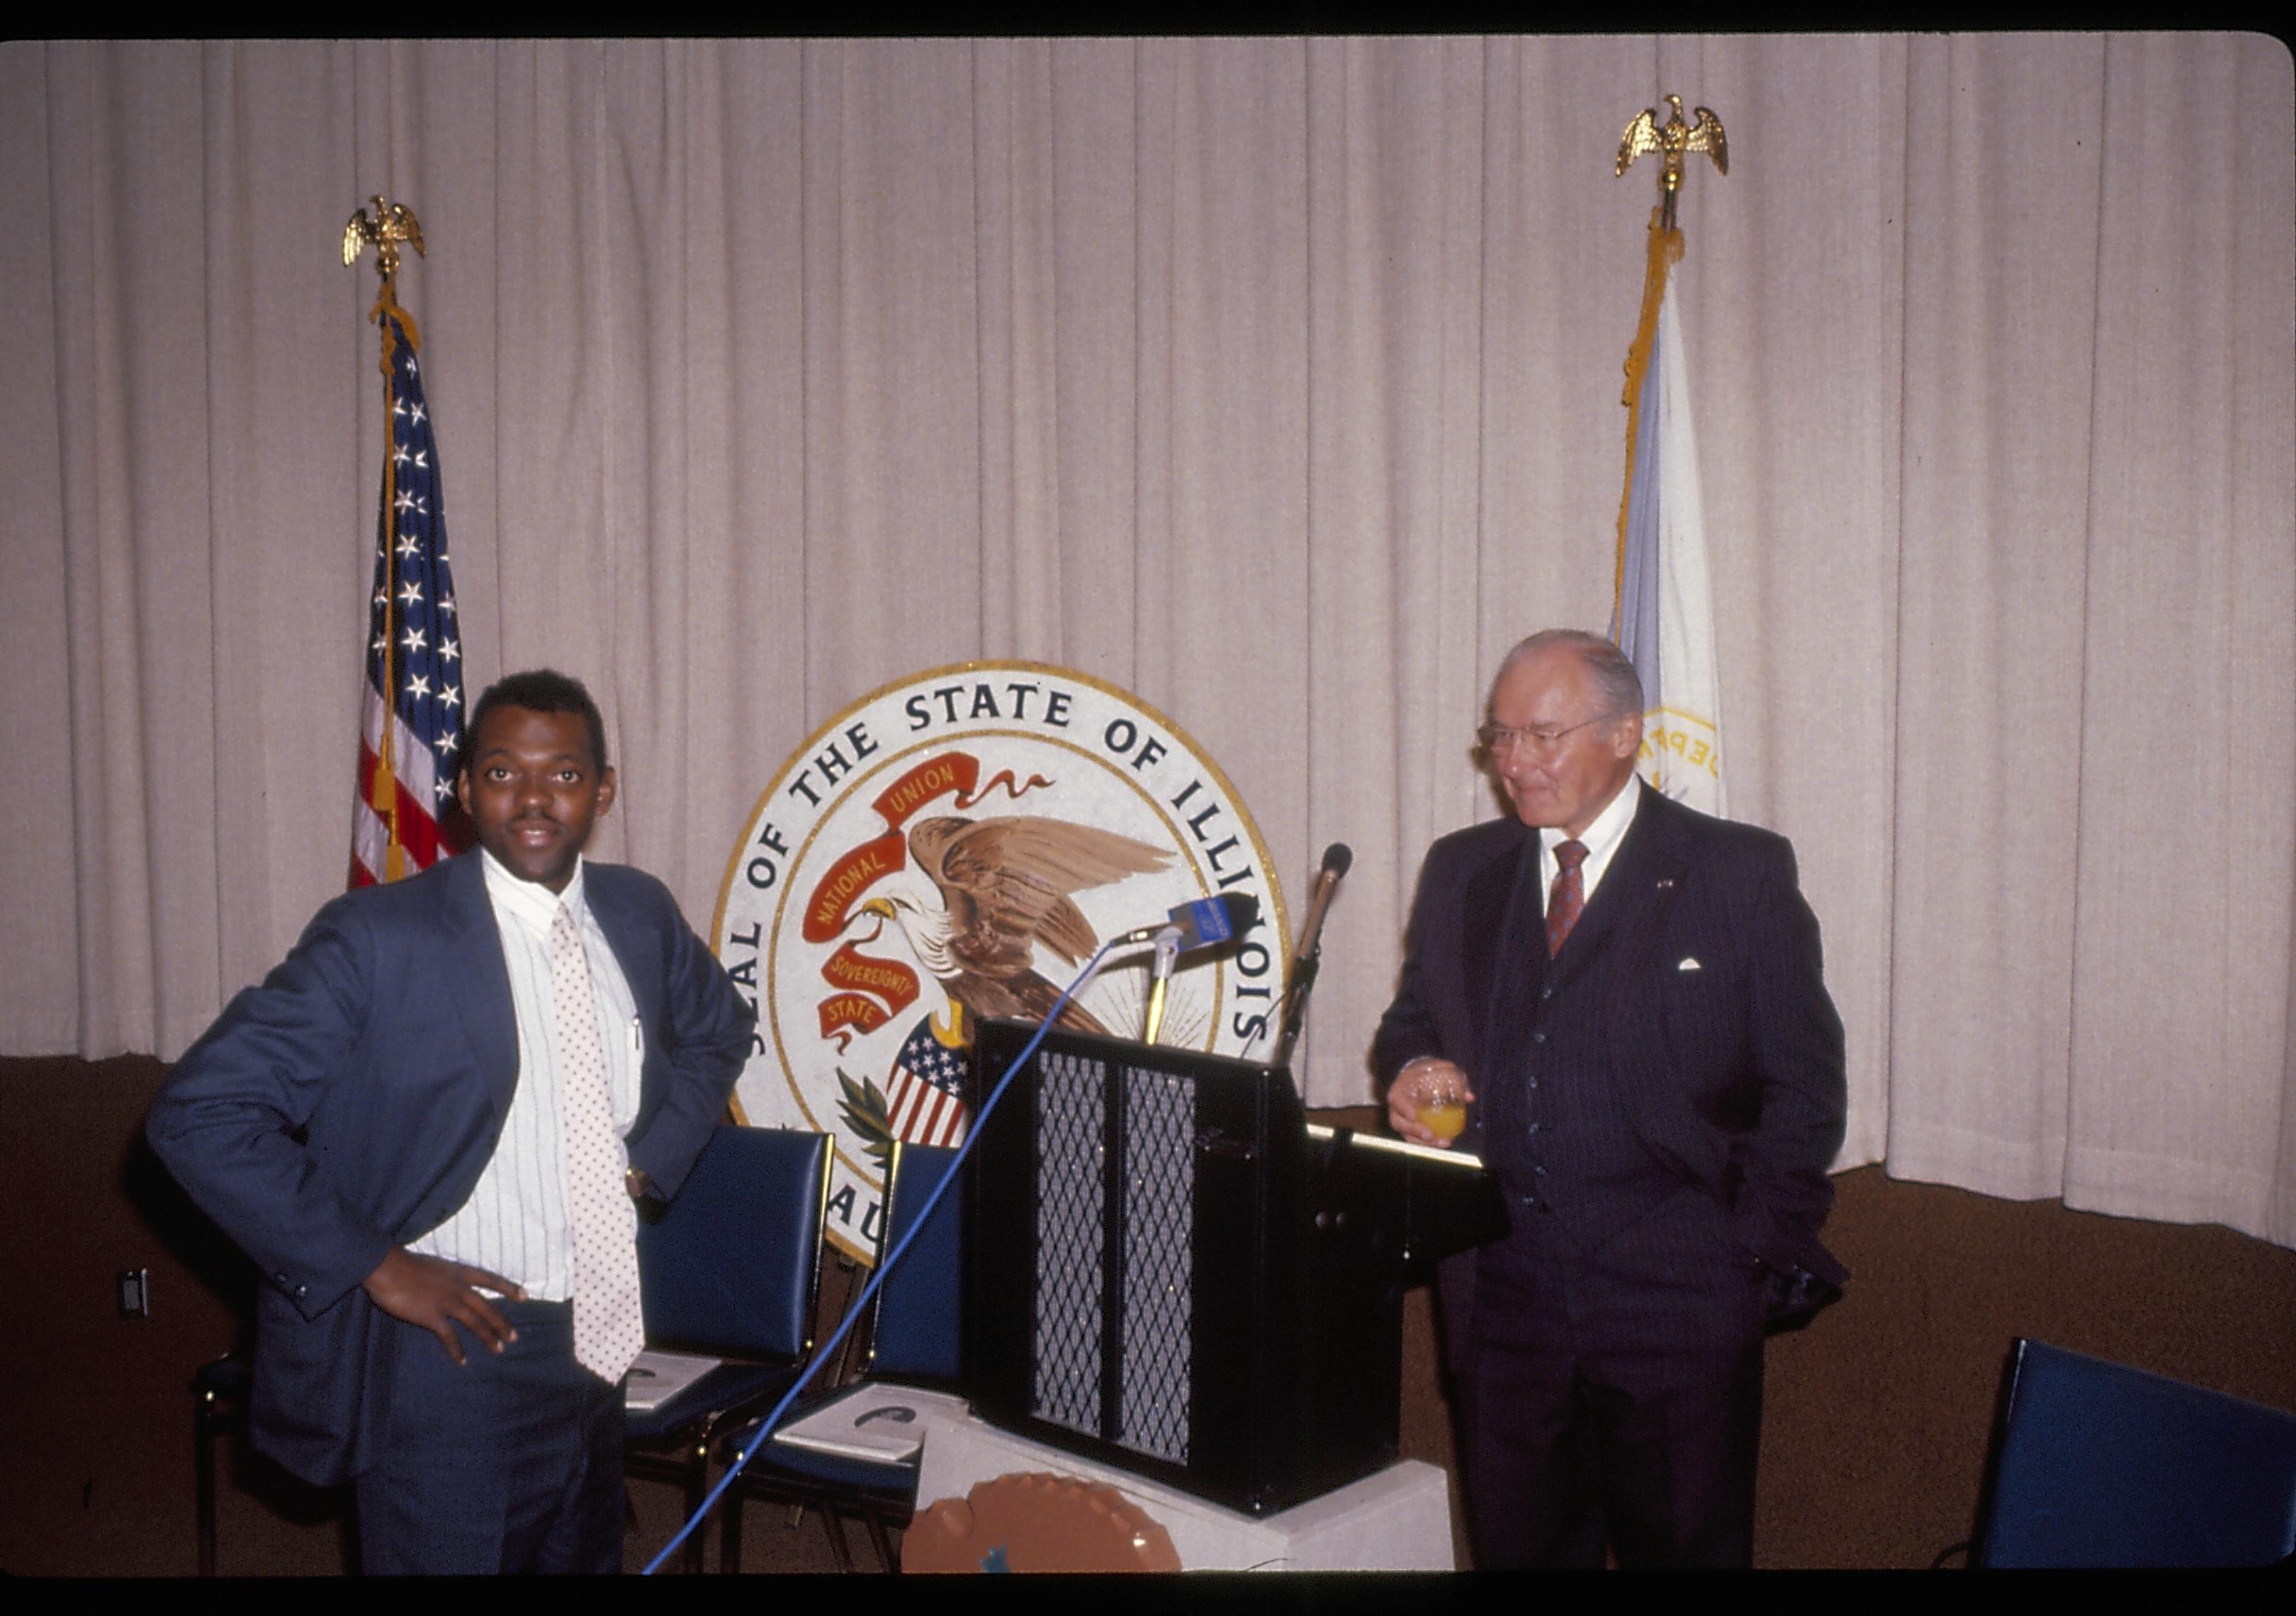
[1398, 1519]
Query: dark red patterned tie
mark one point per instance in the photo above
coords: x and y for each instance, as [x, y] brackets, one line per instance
[1567, 897]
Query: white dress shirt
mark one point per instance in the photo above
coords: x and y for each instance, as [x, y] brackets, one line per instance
[515, 1223]
[1601, 841]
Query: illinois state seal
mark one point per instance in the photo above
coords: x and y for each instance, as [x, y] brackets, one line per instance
[957, 845]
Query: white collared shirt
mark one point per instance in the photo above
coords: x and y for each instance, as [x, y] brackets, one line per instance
[1601, 841]
[515, 1223]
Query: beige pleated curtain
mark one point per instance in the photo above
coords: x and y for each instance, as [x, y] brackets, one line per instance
[1276, 380]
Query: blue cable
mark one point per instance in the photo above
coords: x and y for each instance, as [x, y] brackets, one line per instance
[861, 1302]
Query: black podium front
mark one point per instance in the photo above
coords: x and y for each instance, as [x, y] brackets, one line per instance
[1166, 1273]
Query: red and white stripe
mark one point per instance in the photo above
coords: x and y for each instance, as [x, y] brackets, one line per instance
[417, 775]
[921, 1114]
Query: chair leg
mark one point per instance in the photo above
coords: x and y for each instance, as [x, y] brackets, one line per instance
[729, 1531]
[878, 1539]
[697, 1487]
[204, 1420]
[839, 1550]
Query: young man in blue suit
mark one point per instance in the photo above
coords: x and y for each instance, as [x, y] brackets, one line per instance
[429, 1127]
[1631, 993]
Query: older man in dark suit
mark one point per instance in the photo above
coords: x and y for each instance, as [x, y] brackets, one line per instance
[1630, 995]
[428, 1126]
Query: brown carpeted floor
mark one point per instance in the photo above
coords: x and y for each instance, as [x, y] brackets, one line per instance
[1873, 1440]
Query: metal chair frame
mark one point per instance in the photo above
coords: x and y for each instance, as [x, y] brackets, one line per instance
[680, 1454]
[884, 1496]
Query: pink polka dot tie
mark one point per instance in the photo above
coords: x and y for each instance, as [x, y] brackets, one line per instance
[1567, 896]
[609, 1323]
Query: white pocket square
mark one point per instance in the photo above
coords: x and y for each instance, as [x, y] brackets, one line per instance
[1690, 965]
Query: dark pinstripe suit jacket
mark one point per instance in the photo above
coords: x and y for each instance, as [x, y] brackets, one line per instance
[1731, 1070]
[349, 1103]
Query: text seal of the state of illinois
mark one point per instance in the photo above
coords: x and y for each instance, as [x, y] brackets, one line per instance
[955, 845]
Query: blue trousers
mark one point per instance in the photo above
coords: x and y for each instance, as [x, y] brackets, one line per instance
[508, 1461]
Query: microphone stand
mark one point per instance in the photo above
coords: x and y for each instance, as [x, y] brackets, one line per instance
[1308, 957]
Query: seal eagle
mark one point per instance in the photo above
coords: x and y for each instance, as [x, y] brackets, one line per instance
[1004, 886]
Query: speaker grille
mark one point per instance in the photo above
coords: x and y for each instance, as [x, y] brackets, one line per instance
[1148, 1318]
[1071, 1150]
[1159, 1225]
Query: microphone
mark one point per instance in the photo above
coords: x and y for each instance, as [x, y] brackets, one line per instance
[1203, 923]
[1308, 956]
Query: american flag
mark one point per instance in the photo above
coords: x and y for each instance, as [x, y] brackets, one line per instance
[405, 817]
[922, 1103]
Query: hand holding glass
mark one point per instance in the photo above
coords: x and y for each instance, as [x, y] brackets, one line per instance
[1442, 1104]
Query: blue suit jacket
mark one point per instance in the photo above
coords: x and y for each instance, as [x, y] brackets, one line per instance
[1731, 1071]
[349, 1103]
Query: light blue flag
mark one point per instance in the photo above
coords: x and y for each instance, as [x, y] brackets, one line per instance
[1664, 618]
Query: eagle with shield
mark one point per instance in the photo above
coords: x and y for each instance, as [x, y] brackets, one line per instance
[999, 888]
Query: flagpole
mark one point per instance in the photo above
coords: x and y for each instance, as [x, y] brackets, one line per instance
[391, 224]
[1671, 140]
[1663, 603]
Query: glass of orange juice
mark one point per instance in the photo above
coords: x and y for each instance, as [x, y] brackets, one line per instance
[1442, 1107]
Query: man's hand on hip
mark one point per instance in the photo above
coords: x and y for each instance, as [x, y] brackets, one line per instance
[436, 1295]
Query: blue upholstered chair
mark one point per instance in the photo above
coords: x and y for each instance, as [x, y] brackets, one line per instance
[914, 1339]
[732, 1269]
[2098, 1464]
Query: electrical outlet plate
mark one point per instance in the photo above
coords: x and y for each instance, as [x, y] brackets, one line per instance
[134, 1292]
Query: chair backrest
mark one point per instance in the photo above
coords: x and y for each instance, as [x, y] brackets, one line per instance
[2099, 1464]
[733, 1267]
[917, 1334]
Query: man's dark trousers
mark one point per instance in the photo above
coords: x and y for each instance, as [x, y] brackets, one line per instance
[508, 1461]
[1619, 1389]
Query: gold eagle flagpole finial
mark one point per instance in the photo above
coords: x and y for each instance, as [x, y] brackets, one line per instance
[1673, 140]
[391, 224]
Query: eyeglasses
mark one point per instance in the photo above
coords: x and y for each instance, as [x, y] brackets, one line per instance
[1498, 739]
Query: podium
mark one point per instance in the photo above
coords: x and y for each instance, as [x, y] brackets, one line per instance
[1168, 1271]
